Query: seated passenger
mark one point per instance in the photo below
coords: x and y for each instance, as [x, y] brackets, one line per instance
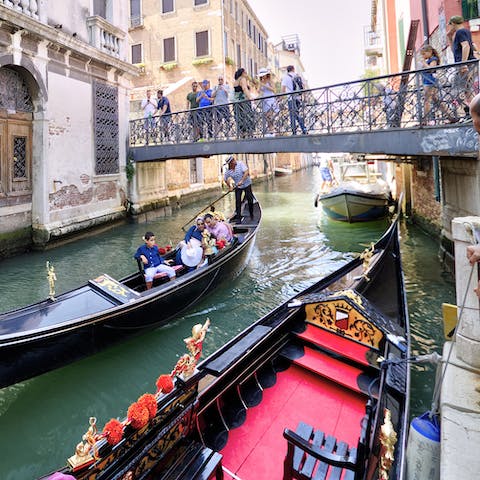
[218, 229]
[152, 261]
[220, 217]
[193, 238]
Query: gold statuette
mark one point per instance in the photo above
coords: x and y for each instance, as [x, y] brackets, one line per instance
[51, 280]
[388, 439]
[83, 451]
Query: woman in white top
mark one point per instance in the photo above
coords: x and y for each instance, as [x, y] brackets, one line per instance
[269, 105]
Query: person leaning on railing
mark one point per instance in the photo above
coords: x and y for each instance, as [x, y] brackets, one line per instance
[463, 50]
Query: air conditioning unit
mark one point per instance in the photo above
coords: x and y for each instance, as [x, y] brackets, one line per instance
[291, 46]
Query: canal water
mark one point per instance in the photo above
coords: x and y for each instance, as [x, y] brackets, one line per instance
[41, 420]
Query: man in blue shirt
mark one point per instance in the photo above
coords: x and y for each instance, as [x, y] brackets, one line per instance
[205, 101]
[152, 261]
[463, 48]
[164, 112]
[237, 177]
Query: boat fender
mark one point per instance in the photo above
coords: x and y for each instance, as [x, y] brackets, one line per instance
[316, 200]
[423, 448]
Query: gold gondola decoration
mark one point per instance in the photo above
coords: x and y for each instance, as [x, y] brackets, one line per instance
[141, 412]
[388, 439]
[366, 257]
[52, 278]
[84, 450]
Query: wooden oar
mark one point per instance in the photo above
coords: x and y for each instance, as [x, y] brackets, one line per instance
[203, 209]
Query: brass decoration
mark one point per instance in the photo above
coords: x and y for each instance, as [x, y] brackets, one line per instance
[207, 243]
[83, 451]
[388, 439]
[366, 256]
[51, 280]
[344, 318]
[112, 285]
[187, 363]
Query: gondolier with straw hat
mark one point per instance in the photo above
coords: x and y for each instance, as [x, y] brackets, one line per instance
[237, 177]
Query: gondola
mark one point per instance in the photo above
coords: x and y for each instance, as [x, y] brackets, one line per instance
[59, 330]
[317, 388]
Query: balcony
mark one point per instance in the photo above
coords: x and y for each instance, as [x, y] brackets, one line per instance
[105, 37]
[27, 7]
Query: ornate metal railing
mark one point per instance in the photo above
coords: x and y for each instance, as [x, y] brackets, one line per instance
[413, 99]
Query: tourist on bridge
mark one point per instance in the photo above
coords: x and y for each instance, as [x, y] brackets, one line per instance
[431, 58]
[463, 49]
[243, 109]
[205, 101]
[237, 177]
[192, 104]
[149, 107]
[221, 99]
[164, 112]
[290, 83]
[269, 105]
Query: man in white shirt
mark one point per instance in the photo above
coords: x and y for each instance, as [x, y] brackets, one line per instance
[294, 102]
[149, 107]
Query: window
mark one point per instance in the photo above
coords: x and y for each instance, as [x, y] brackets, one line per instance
[169, 49]
[168, 6]
[100, 8]
[137, 56]
[135, 13]
[239, 55]
[201, 44]
[197, 3]
[470, 9]
[225, 43]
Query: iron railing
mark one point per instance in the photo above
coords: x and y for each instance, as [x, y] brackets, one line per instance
[403, 100]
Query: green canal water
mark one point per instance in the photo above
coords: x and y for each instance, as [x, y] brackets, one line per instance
[41, 420]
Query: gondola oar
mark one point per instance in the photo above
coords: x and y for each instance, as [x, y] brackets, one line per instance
[203, 209]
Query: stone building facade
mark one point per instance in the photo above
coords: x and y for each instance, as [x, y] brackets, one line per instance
[174, 42]
[65, 82]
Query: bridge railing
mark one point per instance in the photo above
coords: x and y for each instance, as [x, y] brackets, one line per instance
[420, 98]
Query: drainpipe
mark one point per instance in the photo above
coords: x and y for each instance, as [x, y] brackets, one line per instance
[223, 40]
[426, 30]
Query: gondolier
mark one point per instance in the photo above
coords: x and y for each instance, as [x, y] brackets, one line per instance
[237, 177]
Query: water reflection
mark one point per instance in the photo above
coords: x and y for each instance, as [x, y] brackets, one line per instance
[295, 247]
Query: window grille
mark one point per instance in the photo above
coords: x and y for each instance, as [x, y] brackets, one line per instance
[14, 94]
[19, 158]
[106, 129]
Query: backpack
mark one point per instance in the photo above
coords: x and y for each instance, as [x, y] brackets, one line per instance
[297, 83]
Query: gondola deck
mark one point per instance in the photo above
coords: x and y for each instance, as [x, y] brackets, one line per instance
[256, 450]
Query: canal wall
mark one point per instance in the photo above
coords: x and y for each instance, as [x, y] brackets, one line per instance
[460, 389]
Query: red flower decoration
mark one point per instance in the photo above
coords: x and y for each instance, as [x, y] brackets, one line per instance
[168, 248]
[164, 384]
[137, 415]
[162, 251]
[148, 400]
[220, 244]
[113, 431]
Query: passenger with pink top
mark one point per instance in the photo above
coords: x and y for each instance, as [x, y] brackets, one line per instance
[218, 229]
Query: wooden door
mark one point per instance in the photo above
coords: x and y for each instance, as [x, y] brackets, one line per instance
[16, 160]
